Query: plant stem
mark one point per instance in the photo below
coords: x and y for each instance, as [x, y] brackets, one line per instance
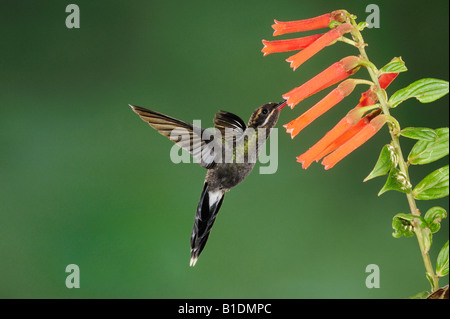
[403, 167]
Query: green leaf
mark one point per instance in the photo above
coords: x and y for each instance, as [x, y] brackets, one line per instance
[424, 152]
[401, 223]
[396, 181]
[433, 186]
[362, 25]
[433, 218]
[334, 24]
[386, 161]
[420, 295]
[395, 66]
[430, 279]
[425, 90]
[442, 261]
[427, 240]
[420, 133]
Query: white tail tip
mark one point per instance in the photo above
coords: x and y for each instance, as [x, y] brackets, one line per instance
[193, 261]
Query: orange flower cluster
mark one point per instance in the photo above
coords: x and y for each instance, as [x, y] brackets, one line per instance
[347, 135]
[361, 123]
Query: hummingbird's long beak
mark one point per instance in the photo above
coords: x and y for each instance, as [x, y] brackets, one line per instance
[281, 105]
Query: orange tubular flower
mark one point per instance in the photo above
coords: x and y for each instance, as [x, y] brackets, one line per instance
[369, 130]
[319, 22]
[288, 45]
[347, 127]
[298, 59]
[334, 97]
[361, 123]
[343, 138]
[333, 74]
[316, 152]
[370, 97]
[386, 78]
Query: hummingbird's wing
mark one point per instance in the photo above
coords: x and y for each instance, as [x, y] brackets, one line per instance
[226, 120]
[185, 135]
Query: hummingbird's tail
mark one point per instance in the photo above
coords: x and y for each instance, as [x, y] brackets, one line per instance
[208, 207]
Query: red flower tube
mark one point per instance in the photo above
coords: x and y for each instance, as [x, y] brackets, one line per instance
[347, 127]
[298, 59]
[344, 137]
[334, 97]
[356, 141]
[333, 74]
[288, 45]
[370, 97]
[316, 151]
[386, 78]
[319, 22]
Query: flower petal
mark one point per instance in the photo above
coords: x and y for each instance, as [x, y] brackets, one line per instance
[298, 59]
[355, 141]
[370, 97]
[330, 100]
[301, 25]
[348, 127]
[386, 78]
[343, 138]
[319, 22]
[288, 45]
[320, 149]
[333, 74]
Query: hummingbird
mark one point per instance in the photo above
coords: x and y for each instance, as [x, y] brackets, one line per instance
[229, 155]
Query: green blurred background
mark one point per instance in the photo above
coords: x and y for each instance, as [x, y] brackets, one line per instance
[85, 181]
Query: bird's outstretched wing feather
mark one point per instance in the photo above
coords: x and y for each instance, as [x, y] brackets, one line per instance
[224, 121]
[185, 135]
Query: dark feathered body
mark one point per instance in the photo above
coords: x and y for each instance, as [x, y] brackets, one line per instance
[227, 168]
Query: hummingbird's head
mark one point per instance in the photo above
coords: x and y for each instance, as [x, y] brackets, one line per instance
[266, 116]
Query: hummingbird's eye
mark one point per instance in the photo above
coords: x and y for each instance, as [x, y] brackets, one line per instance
[264, 111]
